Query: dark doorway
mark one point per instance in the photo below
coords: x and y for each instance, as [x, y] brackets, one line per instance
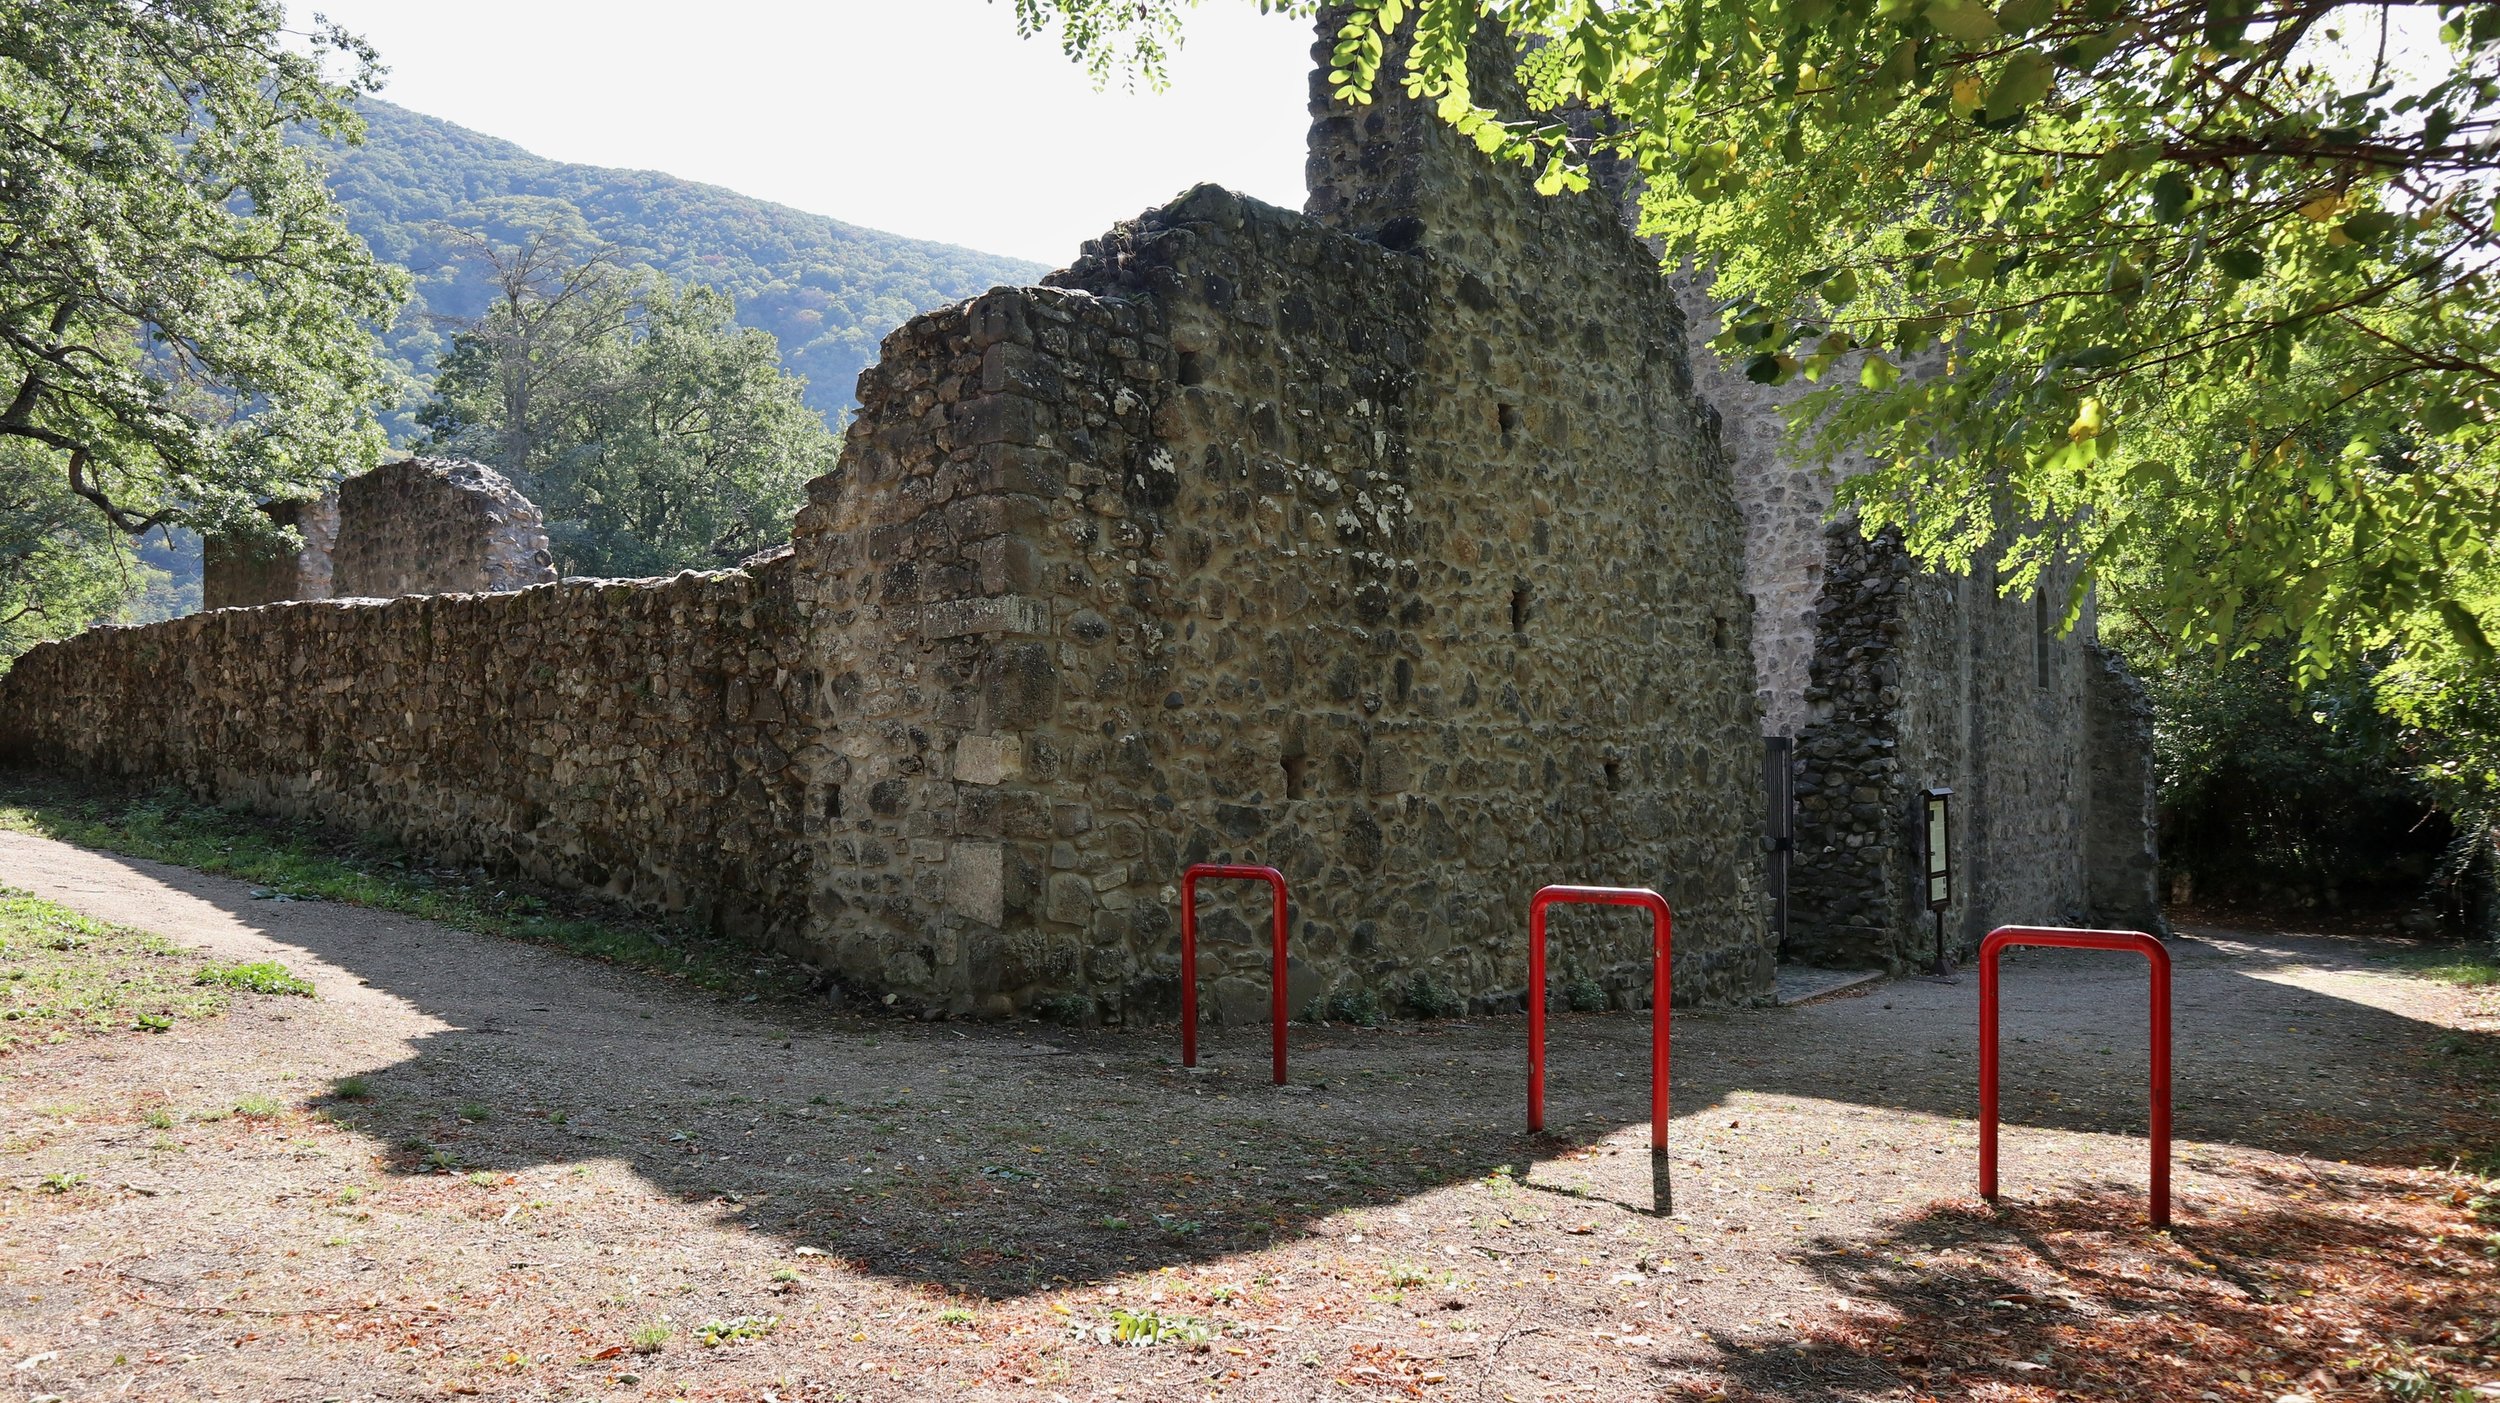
[1779, 791]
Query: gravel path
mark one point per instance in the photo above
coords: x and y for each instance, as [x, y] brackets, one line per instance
[555, 1155]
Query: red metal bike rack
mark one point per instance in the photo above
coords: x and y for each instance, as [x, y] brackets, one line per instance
[2136, 941]
[1189, 956]
[1661, 989]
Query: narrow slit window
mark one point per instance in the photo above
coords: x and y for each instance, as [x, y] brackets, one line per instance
[2040, 637]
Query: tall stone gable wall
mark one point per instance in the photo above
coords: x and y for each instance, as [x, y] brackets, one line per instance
[1386, 543]
[1402, 563]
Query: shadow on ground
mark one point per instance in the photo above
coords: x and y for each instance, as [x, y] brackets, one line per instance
[999, 1160]
[2308, 1292]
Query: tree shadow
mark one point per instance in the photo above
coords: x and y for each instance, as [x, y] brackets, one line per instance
[997, 1160]
[2072, 1297]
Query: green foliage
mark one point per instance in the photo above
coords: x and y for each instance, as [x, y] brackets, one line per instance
[1582, 994]
[827, 291]
[62, 565]
[654, 433]
[256, 977]
[186, 325]
[1357, 1006]
[2101, 264]
[2282, 793]
[1426, 997]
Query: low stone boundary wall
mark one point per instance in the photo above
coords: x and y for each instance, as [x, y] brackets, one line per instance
[638, 737]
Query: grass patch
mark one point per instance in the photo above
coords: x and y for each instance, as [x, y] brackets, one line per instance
[300, 860]
[2472, 968]
[64, 975]
[256, 977]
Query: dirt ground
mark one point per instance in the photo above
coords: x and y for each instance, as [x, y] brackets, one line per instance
[563, 1180]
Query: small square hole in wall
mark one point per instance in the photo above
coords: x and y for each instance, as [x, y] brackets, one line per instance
[1507, 416]
[1519, 603]
[1192, 369]
[1297, 776]
[833, 802]
[1614, 774]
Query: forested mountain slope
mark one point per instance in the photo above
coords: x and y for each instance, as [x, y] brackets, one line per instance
[829, 291]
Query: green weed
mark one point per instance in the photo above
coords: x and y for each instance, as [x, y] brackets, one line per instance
[1149, 1326]
[2473, 969]
[1356, 1006]
[712, 1334]
[1427, 997]
[256, 977]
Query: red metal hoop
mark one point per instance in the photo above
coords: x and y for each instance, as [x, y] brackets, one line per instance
[2124, 940]
[1662, 922]
[1189, 956]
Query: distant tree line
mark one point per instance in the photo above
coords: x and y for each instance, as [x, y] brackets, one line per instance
[654, 432]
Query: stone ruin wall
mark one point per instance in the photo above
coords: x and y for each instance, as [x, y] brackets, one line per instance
[419, 526]
[1380, 544]
[1786, 502]
[639, 738]
[1917, 680]
[436, 526]
[1254, 540]
[237, 574]
[1890, 680]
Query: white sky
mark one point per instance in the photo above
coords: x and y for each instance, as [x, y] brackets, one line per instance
[928, 118]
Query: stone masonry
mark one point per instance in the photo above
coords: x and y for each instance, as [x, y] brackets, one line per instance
[1887, 680]
[1388, 543]
[420, 526]
[237, 574]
